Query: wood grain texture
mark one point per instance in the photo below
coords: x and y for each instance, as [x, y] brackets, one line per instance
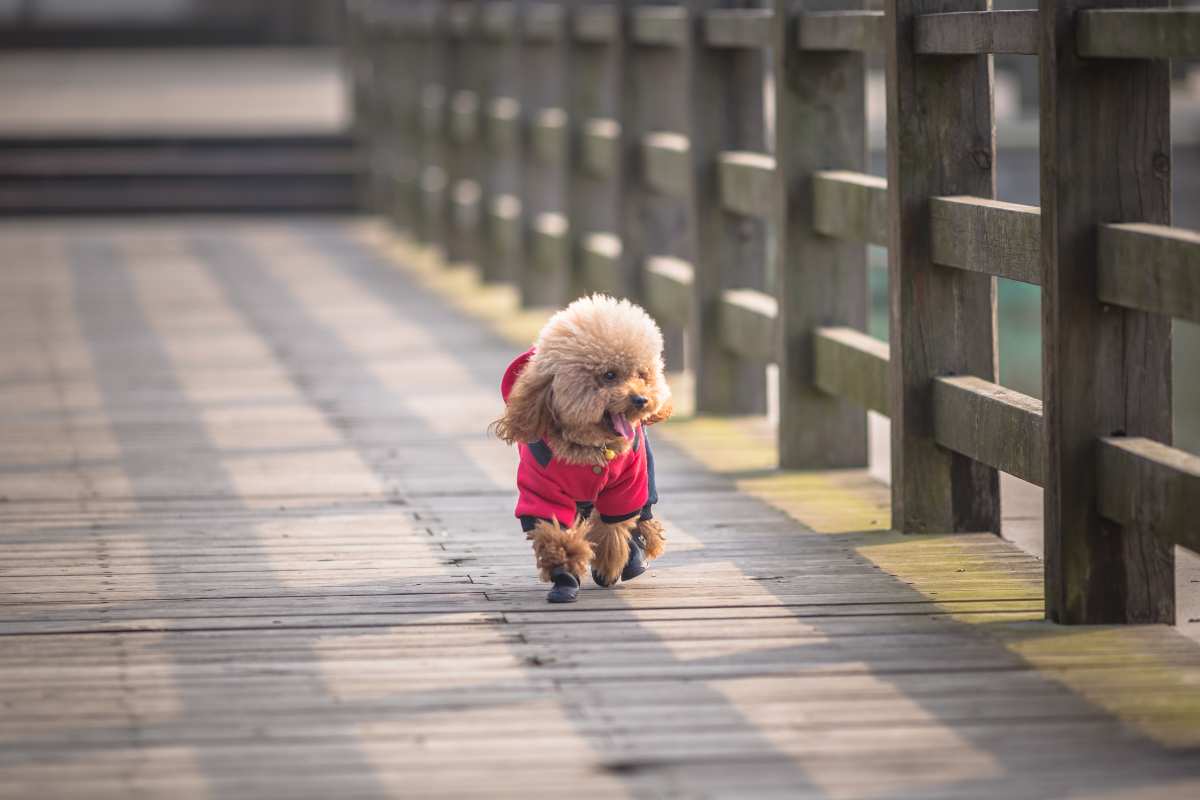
[1133, 32]
[941, 142]
[746, 183]
[1105, 371]
[1151, 485]
[991, 424]
[852, 206]
[820, 120]
[852, 365]
[842, 30]
[749, 323]
[1153, 268]
[968, 32]
[987, 236]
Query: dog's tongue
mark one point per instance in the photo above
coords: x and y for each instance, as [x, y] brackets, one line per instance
[621, 425]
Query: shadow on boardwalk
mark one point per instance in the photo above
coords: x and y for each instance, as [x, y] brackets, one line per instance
[258, 543]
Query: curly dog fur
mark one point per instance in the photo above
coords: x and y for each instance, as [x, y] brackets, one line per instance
[555, 546]
[595, 361]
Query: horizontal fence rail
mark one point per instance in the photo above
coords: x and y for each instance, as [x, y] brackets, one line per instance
[708, 159]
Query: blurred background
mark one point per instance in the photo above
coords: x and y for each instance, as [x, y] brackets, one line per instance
[133, 106]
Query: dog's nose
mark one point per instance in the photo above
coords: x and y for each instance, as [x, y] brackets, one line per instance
[638, 400]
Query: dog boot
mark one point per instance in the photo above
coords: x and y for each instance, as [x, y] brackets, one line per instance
[566, 587]
[636, 564]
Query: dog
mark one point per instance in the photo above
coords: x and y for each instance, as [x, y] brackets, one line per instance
[577, 405]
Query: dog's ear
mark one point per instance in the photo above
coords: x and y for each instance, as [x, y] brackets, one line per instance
[529, 414]
[661, 414]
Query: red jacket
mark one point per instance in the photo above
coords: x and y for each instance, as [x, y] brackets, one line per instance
[550, 489]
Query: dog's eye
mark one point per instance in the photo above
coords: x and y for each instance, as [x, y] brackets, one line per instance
[610, 375]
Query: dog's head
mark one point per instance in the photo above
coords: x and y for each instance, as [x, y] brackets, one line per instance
[596, 372]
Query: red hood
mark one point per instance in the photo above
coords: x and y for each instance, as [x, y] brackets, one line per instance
[510, 374]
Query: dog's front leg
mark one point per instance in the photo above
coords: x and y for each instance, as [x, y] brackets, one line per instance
[562, 556]
[610, 548]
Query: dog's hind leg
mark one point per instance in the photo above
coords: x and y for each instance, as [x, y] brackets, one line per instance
[562, 556]
[653, 539]
[610, 548]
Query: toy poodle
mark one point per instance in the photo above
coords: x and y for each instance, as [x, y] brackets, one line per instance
[577, 406]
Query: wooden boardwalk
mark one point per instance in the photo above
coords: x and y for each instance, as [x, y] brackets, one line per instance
[254, 542]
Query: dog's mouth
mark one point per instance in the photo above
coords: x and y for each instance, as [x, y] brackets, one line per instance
[619, 424]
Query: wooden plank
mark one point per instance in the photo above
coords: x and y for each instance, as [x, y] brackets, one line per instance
[1104, 369]
[669, 290]
[943, 321]
[545, 23]
[665, 163]
[973, 32]
[1147, 484]
[988, 236]
[600, 146]
[601, 263]
[498, 19]
[661, 26]
[853, 365]
[596, 24]
[549, 249]
[820, 110]
[747, 183]
[991, 424]
[464, 117]
[504, 223]
[504, 124]
[851, 206]
[850, 31]
[1153, 268]
[749, 322]
[548, 137]
[738, 27]
[1157, 33]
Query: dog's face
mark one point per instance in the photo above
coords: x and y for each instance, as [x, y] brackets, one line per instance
[597, 372]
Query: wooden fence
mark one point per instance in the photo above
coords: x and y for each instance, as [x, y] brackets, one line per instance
[708, 159]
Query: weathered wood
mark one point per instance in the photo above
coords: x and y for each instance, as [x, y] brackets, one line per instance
[988, 236]
[505, 226]
[967, 32]
[1152, 268]
[548, 137]
[746, 183]
[728, 113]
[545, 184]
[544, 23]
[738, 27]
[504, 125]
[600, 263]
[503, 258]
[464, 164]
[858, 31]
[669, 290]
[596, 24]
[850, 364]
[1149, 485]
[820, 121]
[600, 146]
[665, 163]
[941, 141]
[1132, 32]
[665, 26]
[1104, 370]
[748, 324]
[851, 206]
[991, 424]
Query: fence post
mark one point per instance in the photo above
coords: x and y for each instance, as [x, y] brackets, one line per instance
[434, 177]
[503, 255]
[544, 64]
[726, 113]
[463, 69]
[1106, 155]
[820, 124]
[597, 55]
[402, 89]
[941, 141]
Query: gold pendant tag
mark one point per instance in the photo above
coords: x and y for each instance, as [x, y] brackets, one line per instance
[609, 453]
